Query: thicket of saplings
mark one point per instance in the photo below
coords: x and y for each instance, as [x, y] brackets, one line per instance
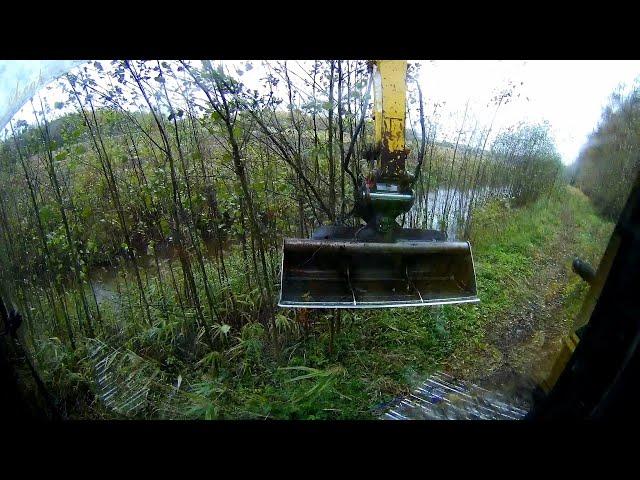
[178, 183]
[608, 165]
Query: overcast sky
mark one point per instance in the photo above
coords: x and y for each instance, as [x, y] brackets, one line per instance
[569, 95]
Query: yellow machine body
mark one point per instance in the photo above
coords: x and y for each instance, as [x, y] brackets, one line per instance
[390, 104]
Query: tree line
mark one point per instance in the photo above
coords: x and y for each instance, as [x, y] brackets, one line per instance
[608, 164]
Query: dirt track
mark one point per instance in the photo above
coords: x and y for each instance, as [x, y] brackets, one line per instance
[523, 345]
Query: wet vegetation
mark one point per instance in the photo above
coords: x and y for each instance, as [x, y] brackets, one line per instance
[609, 163]
[141, 220]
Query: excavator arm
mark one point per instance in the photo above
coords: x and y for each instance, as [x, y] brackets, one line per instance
[379, 264]
[390, 104]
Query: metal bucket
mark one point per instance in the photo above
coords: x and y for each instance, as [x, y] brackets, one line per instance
[351, 274]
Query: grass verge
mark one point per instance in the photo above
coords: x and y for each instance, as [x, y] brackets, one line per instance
[377, 355]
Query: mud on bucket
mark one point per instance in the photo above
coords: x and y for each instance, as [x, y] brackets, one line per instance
[350, 274]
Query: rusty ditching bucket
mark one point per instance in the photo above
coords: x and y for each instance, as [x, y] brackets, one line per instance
[354, 274]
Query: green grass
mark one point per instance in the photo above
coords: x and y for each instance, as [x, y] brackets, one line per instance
[377, 354]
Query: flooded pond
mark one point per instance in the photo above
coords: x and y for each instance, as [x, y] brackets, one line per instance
[447, 209]
[108, 282]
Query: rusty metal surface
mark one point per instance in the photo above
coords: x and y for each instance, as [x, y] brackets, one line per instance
[349, 274]
[341, 232]
[347, 246]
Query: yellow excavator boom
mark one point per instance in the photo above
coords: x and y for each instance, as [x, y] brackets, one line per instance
[380, 264]
[390, 104]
